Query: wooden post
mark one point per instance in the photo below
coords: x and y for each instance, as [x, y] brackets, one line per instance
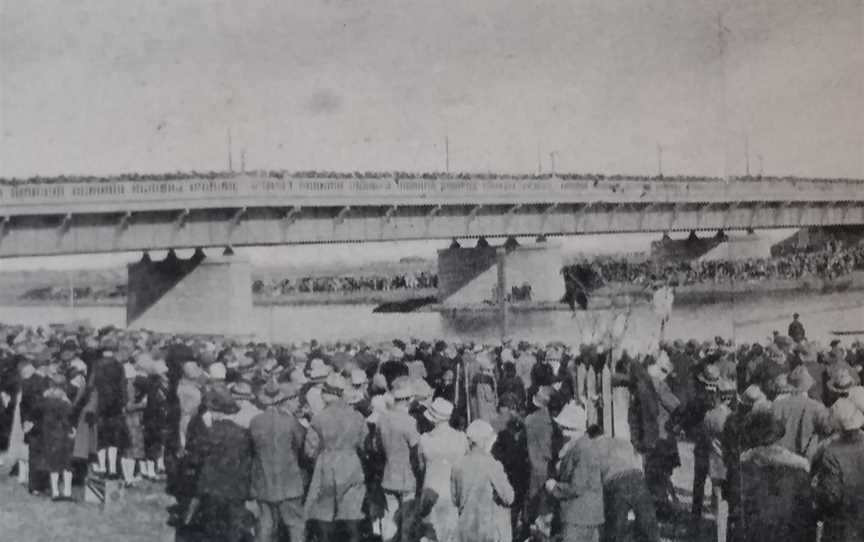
[620, 407]
[591, 395]
[581, 377]
[502, 291]
[606, 393]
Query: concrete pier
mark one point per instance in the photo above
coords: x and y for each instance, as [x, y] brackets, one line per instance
[201, 295]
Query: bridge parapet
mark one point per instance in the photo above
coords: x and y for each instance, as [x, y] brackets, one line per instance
[252, 191]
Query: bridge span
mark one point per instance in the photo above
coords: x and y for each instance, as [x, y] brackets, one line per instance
[247, 210]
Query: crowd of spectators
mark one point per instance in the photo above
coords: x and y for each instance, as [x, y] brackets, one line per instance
[828, 264]
[343, 284]
[315, 174]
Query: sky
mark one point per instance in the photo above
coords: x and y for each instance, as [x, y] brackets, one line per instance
[95, 87]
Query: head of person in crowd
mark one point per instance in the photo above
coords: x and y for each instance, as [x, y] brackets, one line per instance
[542, 397]
[763, 428]
[271, 395]
[220, 403]
[660, 368]
[402, 392]
[753, 397]
[439, 411]
[840, 382]
[509, 407]
[481, 436]
[726, 391]
[573, 420]
[709, 377]
[846, 417]
[318, 370]
[800, 380]
[333, 388]
[423, 392]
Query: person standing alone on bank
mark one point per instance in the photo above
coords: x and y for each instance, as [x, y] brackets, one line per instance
[796, 329]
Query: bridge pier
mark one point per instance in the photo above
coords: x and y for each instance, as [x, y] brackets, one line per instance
[208, 295]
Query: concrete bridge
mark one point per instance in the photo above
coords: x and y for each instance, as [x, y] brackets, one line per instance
[110, 216]
[212, 295]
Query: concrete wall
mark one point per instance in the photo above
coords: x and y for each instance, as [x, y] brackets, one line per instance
[469, 276]
[201, 296]
[740, 247]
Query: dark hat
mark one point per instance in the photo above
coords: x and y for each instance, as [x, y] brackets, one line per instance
[763, 428]
[271, 394]
[220, 400]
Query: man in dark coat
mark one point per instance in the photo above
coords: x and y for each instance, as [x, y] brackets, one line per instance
[839, 477]
[277, 476]
[796, 329]
[224, 480]
[110, 383]
[776, 498]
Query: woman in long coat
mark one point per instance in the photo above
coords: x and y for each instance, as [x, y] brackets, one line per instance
[338, 488]
[57, 437]
[441, 448]
[481, 491]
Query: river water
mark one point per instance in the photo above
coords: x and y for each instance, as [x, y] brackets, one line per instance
[742, 319]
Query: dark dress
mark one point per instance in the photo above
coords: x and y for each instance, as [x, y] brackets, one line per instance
[155, 416]
[56, 434]
[110, 382]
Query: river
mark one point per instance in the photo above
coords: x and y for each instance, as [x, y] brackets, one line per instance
[743, 320]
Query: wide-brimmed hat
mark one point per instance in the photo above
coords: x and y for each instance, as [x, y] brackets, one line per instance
[358, 377]
[217, 371]
[480, 432]
[402, 388]
[841, 381]
[241, 390]
[439, 411]
[318, 370]
[846, 415]
[220, 400]
[334, 385]
[801, 379]
[726, 388]
[422, 389]
[710, 375]
[572, 417]
[752, 395]
[271, 394]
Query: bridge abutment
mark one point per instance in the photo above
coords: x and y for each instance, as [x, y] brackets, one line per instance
[479, 275]
[200, 295]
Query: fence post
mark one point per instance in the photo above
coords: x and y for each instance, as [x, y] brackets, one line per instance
[606, 393]
[591, 396]
[620, 406]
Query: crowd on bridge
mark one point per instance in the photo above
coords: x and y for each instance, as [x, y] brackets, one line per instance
[439, 440]
[323, 174]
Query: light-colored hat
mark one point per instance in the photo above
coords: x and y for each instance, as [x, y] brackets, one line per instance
[840, 381]
[752, 395]
[480, 432]
[846, 414]
[358, 377]
[191, 370]
[217, 371]
[333, 385]
[318, 369]
[439, 411]
[422, 389]
[572, 417]
[710, 375]
[800, 379]
[542, 397]
[402, 388]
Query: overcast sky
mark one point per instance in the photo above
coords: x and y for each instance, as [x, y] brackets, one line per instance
[103, 87]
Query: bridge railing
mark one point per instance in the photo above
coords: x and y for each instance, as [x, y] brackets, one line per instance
[382, 191]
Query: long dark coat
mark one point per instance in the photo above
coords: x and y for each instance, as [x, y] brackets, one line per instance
[777, 500]
[110, 383]
[226, 465]
[839, 488]
[57, 434]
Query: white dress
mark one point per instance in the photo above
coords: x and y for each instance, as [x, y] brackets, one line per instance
[18, 449]
[441, 449]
